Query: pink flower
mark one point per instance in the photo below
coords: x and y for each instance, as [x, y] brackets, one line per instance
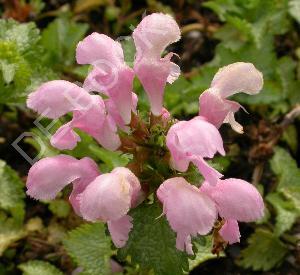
[109, 198]
[114, 78]
[236, 200]
[56, 98]
[188, 210]
[154, 33]
[110, 75]
[114, 115]
[192, 141]
[230, 231]
[49, 176]
[229, 80]
[165, 117]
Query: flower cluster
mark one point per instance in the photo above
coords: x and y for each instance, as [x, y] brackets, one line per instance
[172, 147]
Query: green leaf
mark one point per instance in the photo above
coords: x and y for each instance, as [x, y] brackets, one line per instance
[60, 208]
[152, 243]
[181, 98]
[24, 36]
[37, 267]
[12, 193]
[203, 254]
[264, 251]
[231, 38]
[21, 65]
[90, 248]
[294, 9]
[285, 167]
[286, 74]
[41, 143]
[286, 214]
[10, 232]
[290, 136]
[109, 158]
[244, 27]
[8, 71]
[128, 49]
[222, 7]
[60, 38]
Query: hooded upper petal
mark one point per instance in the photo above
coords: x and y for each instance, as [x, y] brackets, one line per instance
[237, 77]
[94, 121]
[110, 196]
[153, 34]
[188, 210]
[110, 74]
[236, 199]
[195, 137]
[194, 140]
[56, 98]
[50, 175]
[229, 80]
[230, 232]
[100, 50]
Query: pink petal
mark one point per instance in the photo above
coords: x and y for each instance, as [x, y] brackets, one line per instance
[184, 243]
[178, 161]
[92, 83]
[230, 232]
[209, 173]
[91, 171]
[50, 175]
[114, 115]
[188, 210]
[229, 80]
[194, 140]
[104, 130]
[154, 33]
[110, 75]
[236, 199]
[108, 136]
[199, 137]
[115, 267]
[214, 108]
[136, 193]
[110, 196]
[65, 138]
[117, 85]
[58, 97]
[165, 116]
[238, 77]
[100, 50]
[119, 230]
[233, 123]
[174, 73]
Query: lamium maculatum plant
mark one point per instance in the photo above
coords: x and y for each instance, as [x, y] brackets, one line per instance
[169, 147]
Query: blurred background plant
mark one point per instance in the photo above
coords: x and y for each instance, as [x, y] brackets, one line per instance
[37, 43]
